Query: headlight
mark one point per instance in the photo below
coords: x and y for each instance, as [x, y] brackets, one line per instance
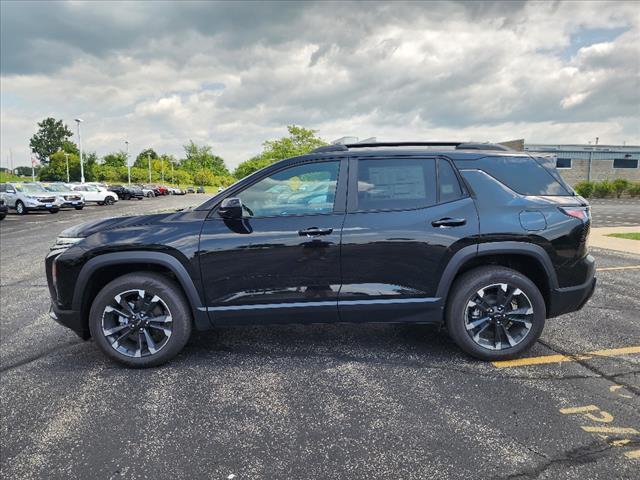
[63, 243]
[30, 197]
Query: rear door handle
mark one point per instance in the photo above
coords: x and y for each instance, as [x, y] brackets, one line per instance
[449, 222]
[315, 231]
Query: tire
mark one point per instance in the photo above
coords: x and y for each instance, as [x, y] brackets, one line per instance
[100, 203]
[126, 197]
[54, 210]
[2, 216]
[20, 208]
[79, 208]
[109, 200]
[516, 332]
[128, 286]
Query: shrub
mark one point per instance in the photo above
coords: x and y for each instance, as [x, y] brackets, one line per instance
[620, 185]
[584, 189]
[634, 189]
[603, 189]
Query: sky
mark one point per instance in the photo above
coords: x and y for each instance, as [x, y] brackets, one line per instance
[232, 75]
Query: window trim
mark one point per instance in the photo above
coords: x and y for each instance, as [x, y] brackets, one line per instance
[352, 195]
[564, 168]
[339, 203]
[625, 160]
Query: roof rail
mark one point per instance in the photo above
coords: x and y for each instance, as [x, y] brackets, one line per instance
[482, 146]
[331, 148]
[403, 144]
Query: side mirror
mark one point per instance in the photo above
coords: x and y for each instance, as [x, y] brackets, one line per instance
[230, 208]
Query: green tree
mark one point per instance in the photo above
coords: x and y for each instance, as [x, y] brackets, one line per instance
[252, 165]
[299, 142]
[115, 159]
[142, 158]
[200, 158]
[49, 138]
[56, 170]
[70, 147]
[26, 171]
[90, 164]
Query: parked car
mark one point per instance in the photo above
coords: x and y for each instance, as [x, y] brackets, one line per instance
[175, 191]
[200, 190]
[159, 189]
[485, 241]
[27, 197]
[3, 209]
[94, 194]
[190, 190]
[67, 196]
[148, 192]
[126, 193]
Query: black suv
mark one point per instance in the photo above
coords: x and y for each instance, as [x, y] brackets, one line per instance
[486, 241]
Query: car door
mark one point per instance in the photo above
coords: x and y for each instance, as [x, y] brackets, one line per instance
[406, 217]
[9, 194]
[280, 262]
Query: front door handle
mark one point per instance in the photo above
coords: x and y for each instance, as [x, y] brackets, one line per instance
[314, 231]
[449, 222]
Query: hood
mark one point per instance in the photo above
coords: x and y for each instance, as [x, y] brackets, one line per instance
[89, 228]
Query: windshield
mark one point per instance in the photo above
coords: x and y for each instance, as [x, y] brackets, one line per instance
[54, 187]
[29, 188]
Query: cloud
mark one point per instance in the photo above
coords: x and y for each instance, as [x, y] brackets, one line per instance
[235, 74]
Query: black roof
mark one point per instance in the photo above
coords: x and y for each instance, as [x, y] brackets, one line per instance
[453, 145]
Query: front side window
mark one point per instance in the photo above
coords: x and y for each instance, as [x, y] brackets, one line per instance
[396, 184]
[307, 189]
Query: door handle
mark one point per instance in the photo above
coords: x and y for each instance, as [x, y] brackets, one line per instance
[449, 222]
[315, 231]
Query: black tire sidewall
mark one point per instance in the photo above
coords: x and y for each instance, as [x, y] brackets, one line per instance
[159, 285]
[24, 209]
[471, 282]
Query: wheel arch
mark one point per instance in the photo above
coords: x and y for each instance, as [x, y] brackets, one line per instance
[529, 259]
[102, 269]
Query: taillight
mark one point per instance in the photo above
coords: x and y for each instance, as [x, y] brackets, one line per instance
[581, 213]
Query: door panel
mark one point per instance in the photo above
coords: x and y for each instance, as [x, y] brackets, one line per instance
[392, 261]
[278, 268]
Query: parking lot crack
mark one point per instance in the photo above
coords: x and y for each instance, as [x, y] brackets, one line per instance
[612, 378]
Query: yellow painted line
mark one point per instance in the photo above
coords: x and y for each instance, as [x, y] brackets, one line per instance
[606, 269]
[523, 362]
[633, 454]
[620, 430]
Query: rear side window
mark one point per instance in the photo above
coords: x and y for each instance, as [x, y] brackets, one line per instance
[523, 175]
[3, 187]
[449, 184]
[396, 184]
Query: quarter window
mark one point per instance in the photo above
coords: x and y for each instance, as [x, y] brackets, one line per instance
[396, 184]
[302, 190]
[449, 184]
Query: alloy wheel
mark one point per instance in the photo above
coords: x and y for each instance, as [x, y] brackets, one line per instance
[498, 316]
[137, 323]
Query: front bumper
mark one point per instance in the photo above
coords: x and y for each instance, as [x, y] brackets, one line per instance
[571, 299]
[70, 319]
[72, 204]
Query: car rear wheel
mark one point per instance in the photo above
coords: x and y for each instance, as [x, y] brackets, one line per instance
[54, 210]
[79, 208]
[495, 313]
[140, 319]
[109, 200]
[20, 208]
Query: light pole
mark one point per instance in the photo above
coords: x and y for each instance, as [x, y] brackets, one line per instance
[79, 121]
[149, 160]
[162, 168]
[126, 142]
[33, 167]
[173, 180]
[66, 157]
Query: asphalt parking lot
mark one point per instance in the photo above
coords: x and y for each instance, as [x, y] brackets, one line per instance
[325, 401]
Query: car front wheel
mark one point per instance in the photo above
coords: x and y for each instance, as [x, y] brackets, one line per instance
[140, 319]
[20, 208]
[495, 313]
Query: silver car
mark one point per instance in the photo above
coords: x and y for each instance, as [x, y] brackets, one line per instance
[26, 197]
[68, 198]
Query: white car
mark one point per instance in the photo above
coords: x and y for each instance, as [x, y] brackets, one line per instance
[94, 193]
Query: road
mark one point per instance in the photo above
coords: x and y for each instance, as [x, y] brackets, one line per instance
[317, 402]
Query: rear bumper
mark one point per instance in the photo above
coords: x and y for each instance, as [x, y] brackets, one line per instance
[571, 299]
[70, 319]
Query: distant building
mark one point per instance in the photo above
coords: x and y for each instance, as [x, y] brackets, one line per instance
[577, 163]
